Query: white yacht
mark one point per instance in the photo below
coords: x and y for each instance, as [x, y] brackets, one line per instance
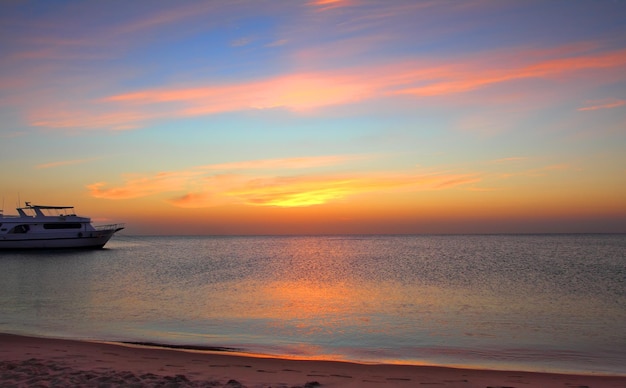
[43, 227]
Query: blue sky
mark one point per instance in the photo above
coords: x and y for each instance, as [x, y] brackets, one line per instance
[318, 116]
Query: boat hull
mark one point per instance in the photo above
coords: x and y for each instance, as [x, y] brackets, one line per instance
[88, 240]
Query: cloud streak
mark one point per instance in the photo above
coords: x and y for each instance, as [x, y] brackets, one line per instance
[463, 79]
[325, 5]
[219, 184]
[509, 159]
[603, 104]
[309, 91]
[138, 186]
[287, 163]
[63, 163]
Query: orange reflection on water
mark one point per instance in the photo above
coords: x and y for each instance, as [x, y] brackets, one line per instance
[305, 300]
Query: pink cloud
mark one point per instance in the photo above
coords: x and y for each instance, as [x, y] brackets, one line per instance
[298, 92]
[50, 46]
[461, 79]
[309, 91]
[168, 16]
[603, 104]
[324, 5]
[114, 120]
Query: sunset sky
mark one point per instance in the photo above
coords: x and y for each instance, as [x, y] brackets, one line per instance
[328, 116]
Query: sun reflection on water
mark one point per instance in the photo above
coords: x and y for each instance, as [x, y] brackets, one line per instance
[380, 299]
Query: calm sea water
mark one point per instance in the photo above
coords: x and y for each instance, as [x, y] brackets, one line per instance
[527, 302]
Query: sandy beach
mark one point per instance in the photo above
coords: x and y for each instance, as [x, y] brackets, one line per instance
[43, 362]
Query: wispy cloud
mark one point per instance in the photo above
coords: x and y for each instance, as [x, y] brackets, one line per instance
[161, 17]
[296, 92]
[324, 5]
[242, 41]
[218, 175]
[302, 92]
[509, 159]
[603, 104]
[119, 120]
[459, 79]
[12, 134]
[287, 163]
[537, 171]
[138, 186]
[49, 40]
[213, 185]
[541, 171]
[306, 190]
[64, 163]
[277, 43]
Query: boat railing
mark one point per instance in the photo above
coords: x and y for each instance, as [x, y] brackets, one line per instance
[110, 227]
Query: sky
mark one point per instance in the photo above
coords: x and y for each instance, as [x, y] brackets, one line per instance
[317, 116]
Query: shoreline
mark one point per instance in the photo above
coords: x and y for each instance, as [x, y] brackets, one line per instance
[26, 361]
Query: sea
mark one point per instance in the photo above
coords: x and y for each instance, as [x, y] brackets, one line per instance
[550, 303]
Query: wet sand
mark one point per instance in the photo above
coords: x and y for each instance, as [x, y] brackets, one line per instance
[30, 361]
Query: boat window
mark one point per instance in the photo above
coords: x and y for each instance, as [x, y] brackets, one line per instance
[63, 225]
[20, 229]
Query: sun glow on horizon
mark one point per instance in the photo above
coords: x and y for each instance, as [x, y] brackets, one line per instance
[319, 116]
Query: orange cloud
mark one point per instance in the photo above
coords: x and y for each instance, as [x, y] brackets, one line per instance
[315, 190]
[603, 104]
[211, 178]
[293, 191]
[141, 186]
[63, 163]
[255, 183]
[324, 5]
[280, 191]
[286, 163]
